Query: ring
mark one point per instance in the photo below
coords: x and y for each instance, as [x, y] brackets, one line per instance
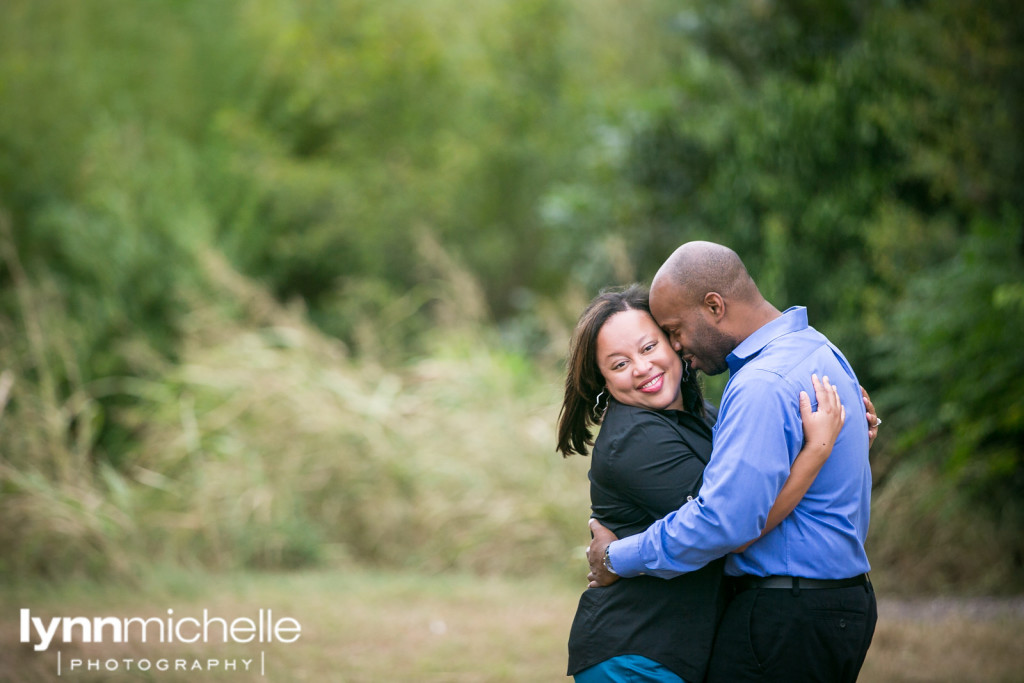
[878, 421]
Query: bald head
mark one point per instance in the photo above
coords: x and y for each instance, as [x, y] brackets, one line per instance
[707, 304]
[700, 267]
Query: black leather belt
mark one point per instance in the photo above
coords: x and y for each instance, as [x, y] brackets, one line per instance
[747, 582]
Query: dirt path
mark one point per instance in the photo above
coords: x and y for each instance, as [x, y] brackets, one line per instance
[932, 608]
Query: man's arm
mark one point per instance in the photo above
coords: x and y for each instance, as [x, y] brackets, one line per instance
[759, 429]
[820, 430]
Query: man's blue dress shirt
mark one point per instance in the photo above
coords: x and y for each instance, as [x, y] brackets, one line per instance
[758, 435]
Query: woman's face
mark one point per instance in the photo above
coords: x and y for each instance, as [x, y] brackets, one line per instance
[638, 363]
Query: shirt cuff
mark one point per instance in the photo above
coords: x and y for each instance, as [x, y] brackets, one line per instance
[624, 556]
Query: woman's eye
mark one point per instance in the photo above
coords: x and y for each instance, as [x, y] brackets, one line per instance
[618, 366]
[650, 347]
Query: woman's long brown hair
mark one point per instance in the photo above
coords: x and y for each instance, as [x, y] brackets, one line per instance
[583, 379]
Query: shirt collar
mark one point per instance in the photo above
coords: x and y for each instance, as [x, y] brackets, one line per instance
[792, 319]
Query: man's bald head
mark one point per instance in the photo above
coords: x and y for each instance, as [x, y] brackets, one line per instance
[697, 268]
[707, 303]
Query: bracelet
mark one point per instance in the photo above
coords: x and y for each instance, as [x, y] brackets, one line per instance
[608, 561]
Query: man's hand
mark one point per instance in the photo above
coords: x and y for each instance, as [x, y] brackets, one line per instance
[872, 416]
[602, 538]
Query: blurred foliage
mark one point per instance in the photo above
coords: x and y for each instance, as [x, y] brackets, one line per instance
[203, 204]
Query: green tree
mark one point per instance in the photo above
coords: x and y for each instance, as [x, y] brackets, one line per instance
[867, 165]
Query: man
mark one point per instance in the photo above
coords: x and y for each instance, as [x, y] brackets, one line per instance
[803, 608]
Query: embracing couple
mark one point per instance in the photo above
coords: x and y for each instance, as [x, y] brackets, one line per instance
[728, 544]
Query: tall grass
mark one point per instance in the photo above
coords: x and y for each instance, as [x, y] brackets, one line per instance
[54, 506]
[266, 445]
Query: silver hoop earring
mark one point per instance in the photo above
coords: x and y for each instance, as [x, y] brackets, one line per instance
[597, 405]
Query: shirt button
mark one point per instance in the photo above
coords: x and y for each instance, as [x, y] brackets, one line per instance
[842, 623]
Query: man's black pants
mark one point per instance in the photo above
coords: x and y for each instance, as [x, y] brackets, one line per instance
[784, 634]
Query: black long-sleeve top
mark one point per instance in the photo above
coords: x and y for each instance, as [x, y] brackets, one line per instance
[645, 465]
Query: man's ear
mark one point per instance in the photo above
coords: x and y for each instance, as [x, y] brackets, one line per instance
[715, 305]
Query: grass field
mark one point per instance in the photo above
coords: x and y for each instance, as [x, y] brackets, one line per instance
[360, 626]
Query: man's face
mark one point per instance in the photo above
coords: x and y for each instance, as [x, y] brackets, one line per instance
[691, 330]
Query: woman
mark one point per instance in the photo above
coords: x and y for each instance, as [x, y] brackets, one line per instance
[648, 459]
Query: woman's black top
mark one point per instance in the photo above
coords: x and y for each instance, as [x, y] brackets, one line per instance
[645, 464]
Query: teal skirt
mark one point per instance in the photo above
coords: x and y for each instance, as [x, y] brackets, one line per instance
[627, 669]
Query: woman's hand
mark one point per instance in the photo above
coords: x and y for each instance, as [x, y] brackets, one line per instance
[821, 427]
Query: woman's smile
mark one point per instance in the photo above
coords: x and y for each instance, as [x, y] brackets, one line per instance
[654, 385]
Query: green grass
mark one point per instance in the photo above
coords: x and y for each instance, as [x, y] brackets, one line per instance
[359, 625]
[356, 625]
